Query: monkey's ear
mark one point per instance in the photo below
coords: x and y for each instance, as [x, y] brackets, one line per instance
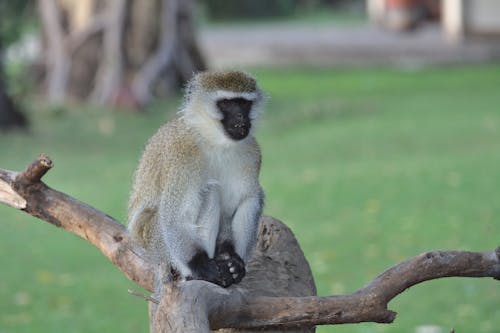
[189, 90]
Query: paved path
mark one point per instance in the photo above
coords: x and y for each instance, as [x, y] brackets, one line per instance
[287, 44]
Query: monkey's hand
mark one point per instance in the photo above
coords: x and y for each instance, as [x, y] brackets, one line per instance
[207, 269]
[231, 266]
[225, 269]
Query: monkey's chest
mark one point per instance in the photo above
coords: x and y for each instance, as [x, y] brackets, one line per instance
[233, 183]
[233, 188]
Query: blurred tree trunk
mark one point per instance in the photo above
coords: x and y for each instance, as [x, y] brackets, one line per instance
[118, 52]
[10, 117]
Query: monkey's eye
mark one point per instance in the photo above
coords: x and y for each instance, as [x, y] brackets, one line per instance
[234, 103]
[246, 103]
[224, 103]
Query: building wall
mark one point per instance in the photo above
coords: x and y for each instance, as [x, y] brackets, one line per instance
[483, 16]
[459, 18]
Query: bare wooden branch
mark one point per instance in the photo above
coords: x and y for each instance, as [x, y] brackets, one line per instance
[238, 309]
[37, 169]
[143, 296]
[368, 304]
[63, 211]
[277, 269]
[7, 195]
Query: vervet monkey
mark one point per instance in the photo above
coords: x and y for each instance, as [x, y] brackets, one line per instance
[196, 198]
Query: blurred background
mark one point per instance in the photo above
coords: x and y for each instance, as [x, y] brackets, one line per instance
[381, 140]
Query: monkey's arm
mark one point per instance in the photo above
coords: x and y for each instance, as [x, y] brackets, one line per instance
[245, 224]
[207, 221]
[189, 220]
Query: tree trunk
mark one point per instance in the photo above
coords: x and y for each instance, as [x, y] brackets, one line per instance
[119, 52]
[278, 268]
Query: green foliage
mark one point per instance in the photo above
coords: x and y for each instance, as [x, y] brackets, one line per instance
[275, 10]
[368, 167]
[16, 17]
[13, 19]
[230, 10]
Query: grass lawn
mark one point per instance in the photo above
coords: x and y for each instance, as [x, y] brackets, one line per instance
[368, 167]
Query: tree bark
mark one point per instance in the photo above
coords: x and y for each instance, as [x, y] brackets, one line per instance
[278, 292]
[119, 52]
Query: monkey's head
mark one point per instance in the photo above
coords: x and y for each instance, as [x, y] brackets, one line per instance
[224, 103]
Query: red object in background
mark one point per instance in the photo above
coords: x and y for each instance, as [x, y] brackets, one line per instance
[406, 15]
[432, 8]
[402, 3]
[403, 15]
[124, 97]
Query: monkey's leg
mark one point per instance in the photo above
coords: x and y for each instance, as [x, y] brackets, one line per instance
[245, 224]
[188, 256]
[237, 238]
[203, 265]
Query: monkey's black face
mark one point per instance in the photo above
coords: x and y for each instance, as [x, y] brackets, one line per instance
[235, 117]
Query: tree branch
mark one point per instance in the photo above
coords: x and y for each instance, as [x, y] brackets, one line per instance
[236, 308]
[36, 170]
[63, 211]
[368, 304]
[199, 306]
[77, 38]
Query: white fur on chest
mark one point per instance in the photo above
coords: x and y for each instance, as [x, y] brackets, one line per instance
[228, 168]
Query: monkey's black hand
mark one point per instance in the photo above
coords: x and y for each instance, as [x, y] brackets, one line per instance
[204, 268]
[231, 266]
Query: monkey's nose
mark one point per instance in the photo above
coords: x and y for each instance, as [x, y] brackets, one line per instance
[241, 124]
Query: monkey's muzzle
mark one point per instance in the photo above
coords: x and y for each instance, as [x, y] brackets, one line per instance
[238, 130]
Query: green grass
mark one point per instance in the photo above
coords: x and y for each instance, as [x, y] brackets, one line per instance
[315, 17]
[368, 167]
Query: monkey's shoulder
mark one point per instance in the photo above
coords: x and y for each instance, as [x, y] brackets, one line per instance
[175, 143]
